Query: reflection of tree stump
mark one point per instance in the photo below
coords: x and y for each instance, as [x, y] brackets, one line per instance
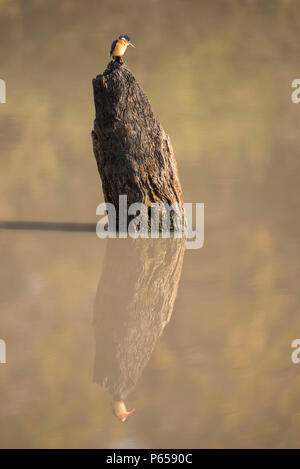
[134, 302]
[133, 153]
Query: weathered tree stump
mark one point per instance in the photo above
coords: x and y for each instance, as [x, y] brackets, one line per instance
[134, 155]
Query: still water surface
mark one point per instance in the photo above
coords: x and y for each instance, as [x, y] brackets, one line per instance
[198, 342]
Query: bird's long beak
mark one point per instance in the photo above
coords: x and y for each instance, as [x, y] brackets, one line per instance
[124, 417]
[129, 43]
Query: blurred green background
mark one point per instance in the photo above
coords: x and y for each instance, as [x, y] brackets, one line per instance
[218, 74]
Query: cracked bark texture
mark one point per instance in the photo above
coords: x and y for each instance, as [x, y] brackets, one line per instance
[134, 155]
[134, 303]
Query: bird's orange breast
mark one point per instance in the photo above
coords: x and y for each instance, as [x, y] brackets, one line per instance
[119, 49]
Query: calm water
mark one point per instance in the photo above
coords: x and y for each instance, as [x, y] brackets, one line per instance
[198, 342]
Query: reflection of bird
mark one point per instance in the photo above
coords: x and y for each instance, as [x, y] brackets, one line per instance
[120, 410]
[119, 46]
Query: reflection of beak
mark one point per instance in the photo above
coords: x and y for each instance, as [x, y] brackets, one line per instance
[129, 43]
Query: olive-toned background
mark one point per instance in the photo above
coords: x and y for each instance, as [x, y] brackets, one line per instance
[218, 75]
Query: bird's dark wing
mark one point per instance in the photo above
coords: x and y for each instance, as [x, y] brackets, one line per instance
[113, 45]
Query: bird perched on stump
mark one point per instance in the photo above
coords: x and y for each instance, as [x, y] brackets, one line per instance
[119, 46]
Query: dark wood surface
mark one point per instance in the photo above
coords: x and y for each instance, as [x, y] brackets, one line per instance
[134, 155]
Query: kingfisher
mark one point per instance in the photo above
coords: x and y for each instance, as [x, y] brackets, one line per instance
[119, 46]
[120, 410]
